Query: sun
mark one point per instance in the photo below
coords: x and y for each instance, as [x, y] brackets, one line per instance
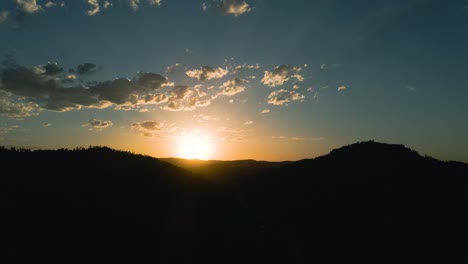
[195, 147]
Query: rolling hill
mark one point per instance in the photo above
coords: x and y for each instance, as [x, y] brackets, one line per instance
[367, 202]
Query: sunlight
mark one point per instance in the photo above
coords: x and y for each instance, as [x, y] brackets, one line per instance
[195, 147]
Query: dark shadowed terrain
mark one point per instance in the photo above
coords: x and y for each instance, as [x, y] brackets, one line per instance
[366, 202]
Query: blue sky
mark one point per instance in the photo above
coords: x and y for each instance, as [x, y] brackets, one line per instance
[271, 80]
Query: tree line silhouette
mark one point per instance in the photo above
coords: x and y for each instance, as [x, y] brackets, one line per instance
[369, 202]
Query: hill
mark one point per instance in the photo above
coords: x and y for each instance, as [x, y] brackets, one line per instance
[213, 168]
[367, 202]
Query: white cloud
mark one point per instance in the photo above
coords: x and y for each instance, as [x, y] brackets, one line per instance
[28, 6]
[172, 68]
[207, 73]
[70, 78]
[97, 124]
[409, 87]
[228, 7]
[4, 16]
[134, 4]
[107, 4]
[154, 2]
[13, 108]
[264, 111]
[235, 7]
[295, 87]
[50, 4]
[342, 88]
[94, 9]
[248, 123]
[233, 87]
[283, 96]
[281, 74]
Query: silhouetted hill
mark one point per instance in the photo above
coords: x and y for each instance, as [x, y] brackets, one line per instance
[366, 202]
[225, 168]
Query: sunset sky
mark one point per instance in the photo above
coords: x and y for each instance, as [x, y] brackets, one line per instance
[234, 79]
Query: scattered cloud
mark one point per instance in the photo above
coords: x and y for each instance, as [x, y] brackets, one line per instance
[96, 124]
[46, 124]
[16, 109]
[342, 88]
[202, 118]
[228, 7]
[50, 4]
[409, 87]
[38, 87]
[264, 111]
[6, 129]
[86, 68]
[107, 4]
[69, 78]
[28, 6]
[52, 68]
[281, 97]
[231, 101]
[154, 2]
[172, 68]
[281, 74]
[134, 4]
[4, 15]
[247, 123]
[207, 73]
[295, 87]
[148, 127]
[233, 87]
[94, 7]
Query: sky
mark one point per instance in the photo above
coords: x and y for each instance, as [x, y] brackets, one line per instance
[233, 79]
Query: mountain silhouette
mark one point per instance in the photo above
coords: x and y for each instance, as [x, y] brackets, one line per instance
[366, 202]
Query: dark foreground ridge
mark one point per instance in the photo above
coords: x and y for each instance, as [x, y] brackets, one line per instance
[366, 202]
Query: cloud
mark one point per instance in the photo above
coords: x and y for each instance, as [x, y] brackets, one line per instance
[180, 92]
[233, 87]
[207, 73]
[46, 124]
[97, 124]
[172, 68]
[4, 15]
[264, 111]
[94, 7]
[69, 78]
[86, 68]
[28, 6]
[7, 129]
[282, 96]
[50, 4]
[11, 108]
[342, 88]
[248, 123]
[52, 68]
[281, 74]
[154, 2]
[107, 4]
[148, 125]
[202, 117]
[235, 7]
[409, 87]
[228, 7]
[134, 4]
[33, 84]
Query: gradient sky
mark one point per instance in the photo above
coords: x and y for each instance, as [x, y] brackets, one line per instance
[260, 79]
